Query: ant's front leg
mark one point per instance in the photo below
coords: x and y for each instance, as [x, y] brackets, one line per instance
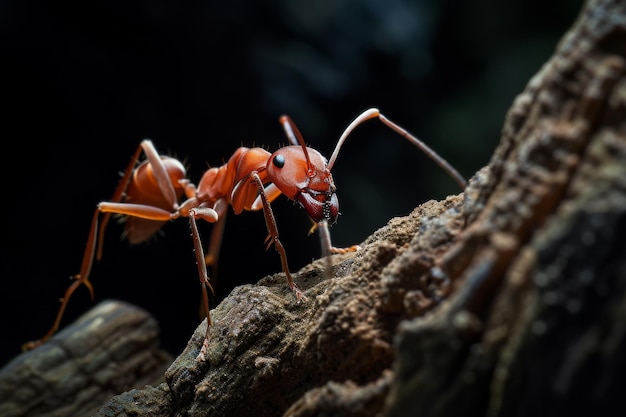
[270, 221]
[327, 246]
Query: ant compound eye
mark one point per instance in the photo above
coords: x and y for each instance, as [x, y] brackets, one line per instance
[279, 161]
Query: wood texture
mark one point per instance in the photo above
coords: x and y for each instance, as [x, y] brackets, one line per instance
[110, 349]
[508, 299]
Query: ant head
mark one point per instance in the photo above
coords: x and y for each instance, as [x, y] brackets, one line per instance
[302, 174]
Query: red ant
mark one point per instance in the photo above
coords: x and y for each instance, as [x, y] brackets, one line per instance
[149, 193]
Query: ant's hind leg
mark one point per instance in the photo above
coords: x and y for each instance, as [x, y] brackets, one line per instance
[82, 278]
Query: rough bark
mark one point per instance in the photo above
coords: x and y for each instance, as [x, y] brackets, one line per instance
[269, 352]
[508, 299]
[534, 324]
[110, 349]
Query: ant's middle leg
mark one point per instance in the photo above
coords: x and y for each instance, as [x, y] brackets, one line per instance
[210, 215]
[215, 243]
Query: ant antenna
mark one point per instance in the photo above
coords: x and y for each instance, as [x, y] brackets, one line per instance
[373, 112]
[295, 138]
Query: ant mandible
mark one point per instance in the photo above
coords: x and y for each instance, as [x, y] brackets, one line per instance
[149, 194]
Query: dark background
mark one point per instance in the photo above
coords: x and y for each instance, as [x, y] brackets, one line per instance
[84, 83]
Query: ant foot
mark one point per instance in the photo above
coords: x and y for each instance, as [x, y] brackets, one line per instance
[28, 346]
[353, 248]
[203, 351]
[299, 294]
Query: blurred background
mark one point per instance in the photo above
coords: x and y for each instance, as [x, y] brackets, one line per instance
[85, 82]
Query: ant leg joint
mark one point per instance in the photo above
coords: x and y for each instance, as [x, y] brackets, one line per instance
[204, 213]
